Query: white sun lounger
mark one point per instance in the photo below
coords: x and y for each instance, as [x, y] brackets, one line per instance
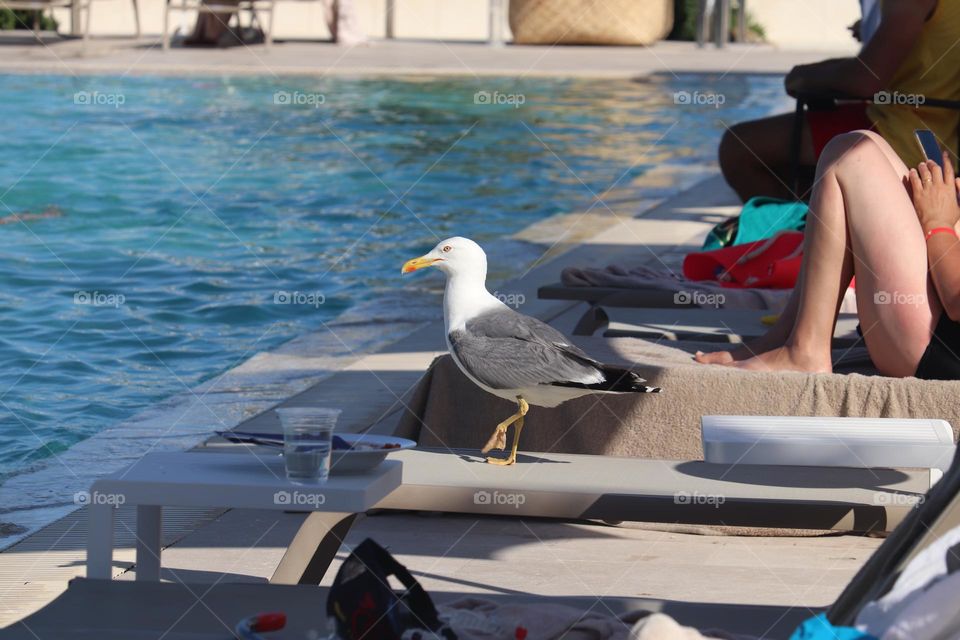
[107, 610]
[541, 485]
[569, 486]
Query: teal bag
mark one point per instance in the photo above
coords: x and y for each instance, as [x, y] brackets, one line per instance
[760, 218]
[819, 628]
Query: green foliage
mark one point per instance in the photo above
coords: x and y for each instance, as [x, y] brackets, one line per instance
[685, 20]
[24, 18]
[753, 26]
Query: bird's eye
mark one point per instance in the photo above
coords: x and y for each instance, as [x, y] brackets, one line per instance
[447, 249]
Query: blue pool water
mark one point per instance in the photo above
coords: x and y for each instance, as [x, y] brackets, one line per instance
[172, 212]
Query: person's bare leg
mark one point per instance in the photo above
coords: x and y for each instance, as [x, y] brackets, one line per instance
[755, 157]
[860, 210]
[824, 246]
[779, 333]
[896, 299]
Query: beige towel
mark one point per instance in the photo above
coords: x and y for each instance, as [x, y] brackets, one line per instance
[447, 410]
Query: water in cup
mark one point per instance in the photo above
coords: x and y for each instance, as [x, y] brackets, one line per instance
[307, 442]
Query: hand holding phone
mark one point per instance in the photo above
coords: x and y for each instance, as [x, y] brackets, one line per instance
[932, 191]
[929, 146]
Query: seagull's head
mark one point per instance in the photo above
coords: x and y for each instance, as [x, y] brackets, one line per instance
[454, 257]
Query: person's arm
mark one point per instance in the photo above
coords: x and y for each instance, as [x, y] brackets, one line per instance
[872, 70]
[934, 193]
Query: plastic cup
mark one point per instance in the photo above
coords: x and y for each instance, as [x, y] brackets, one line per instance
[307, 442]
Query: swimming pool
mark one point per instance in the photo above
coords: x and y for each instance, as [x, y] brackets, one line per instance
[174, 226]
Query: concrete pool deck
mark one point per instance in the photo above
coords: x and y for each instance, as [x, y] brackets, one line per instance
[461, 554]
[22, 54]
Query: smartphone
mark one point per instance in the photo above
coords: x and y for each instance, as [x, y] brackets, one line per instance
[929, 146]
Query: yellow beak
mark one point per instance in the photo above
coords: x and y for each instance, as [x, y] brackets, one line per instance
[418, 263]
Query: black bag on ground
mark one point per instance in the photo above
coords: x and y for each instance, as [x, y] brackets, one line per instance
[364, 605]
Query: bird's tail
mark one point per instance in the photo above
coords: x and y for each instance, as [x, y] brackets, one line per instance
[616, 380]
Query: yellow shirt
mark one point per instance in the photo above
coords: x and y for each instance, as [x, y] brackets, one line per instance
[931, 69]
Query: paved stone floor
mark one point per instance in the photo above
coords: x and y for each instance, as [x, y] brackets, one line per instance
[126, 56]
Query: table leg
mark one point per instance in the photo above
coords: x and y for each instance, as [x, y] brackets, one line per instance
[149, 528]
[100, 540]
[313, 548]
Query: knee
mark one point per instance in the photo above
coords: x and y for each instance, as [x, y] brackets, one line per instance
[855, 146]
[732, 148]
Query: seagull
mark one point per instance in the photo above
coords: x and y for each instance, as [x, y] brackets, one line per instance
[509, 354]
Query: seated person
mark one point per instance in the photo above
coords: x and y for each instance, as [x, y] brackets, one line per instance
[895, 230]
[911, 54]
[213, 28]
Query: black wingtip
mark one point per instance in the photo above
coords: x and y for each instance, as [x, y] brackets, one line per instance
[616, 380]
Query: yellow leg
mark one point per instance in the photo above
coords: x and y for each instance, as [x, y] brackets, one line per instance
[499, 438]
[517, 420]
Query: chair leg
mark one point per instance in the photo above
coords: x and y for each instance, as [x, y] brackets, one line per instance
[149, 542]
[86, 29]
[742, 22]
[313, 548]
[391, 20]
[723, 22]
[136, 17]
[703, 23]
[76, 17]
[268, 36]
[100, 518]
[165, 40]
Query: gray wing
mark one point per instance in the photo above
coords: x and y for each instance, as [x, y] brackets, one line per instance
[508, 350]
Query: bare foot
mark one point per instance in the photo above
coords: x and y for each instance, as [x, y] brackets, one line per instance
[745, 351]
[715, 357]
[787, 358]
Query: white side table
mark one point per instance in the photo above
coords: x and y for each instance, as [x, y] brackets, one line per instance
[234, 481]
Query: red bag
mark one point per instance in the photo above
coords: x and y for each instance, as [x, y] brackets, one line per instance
[773, 263]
